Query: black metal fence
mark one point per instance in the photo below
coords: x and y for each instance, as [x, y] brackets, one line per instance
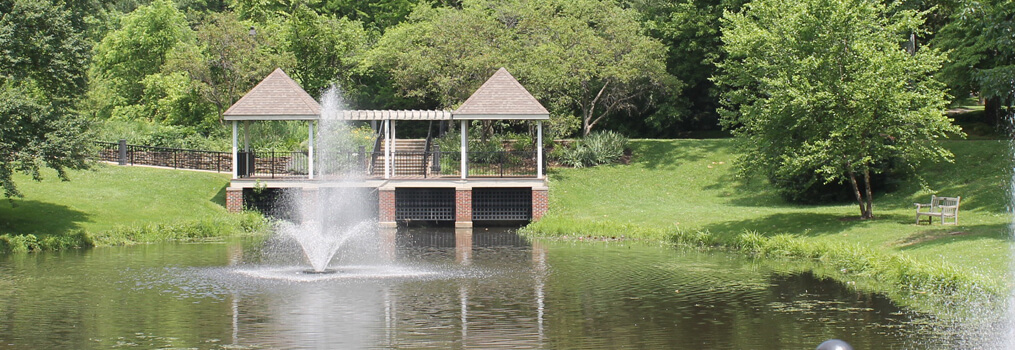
[177, 158]
[282, 164]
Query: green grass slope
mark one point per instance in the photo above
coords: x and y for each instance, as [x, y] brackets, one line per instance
[689, 187]
[117, 205]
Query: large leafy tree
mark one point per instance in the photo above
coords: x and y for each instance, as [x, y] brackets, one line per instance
[589, 58]
[326, 48]
[690, 31]
[42, 56]
[128, 55]
[825, 90]
[982, 51]
[230, 57]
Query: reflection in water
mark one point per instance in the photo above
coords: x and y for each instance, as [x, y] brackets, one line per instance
[488, 289]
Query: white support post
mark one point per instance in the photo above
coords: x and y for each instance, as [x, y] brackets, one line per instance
[394, 138]
[539, 149]
[387, 149]
[310, 150]
[235, 158]
[465, 148]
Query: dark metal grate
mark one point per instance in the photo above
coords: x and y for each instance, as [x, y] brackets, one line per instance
[501, 203]
[272, 202]
[433, 204]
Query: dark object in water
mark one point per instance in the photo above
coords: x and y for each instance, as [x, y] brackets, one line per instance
[321, 272]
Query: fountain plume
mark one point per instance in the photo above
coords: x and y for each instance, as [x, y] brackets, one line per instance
[336, 211]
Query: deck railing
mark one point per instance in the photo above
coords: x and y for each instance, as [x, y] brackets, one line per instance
[293, 164]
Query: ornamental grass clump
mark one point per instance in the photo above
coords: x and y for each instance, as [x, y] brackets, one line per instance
[596, 149]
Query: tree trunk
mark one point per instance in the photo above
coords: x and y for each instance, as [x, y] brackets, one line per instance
[869, 214]
[487, 130]
[992, 114]
[856, 192]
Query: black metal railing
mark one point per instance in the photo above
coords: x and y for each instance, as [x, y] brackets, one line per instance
[502, 163]
[177, 158]
[376, 152]
[108, 151]
[341, 164]
[286, 164]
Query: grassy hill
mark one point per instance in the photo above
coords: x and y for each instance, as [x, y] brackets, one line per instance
[111, 205]
[674, 189]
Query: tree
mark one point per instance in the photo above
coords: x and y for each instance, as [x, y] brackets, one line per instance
[982, 51]
[230, 57]
[586, 57]
[42, 57]
[139, 48]
[326, 48]
[376, 15]
[826, 88]
[690, 31]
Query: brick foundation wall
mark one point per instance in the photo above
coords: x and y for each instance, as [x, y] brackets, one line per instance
[463, 206]
[386, 205]
[234, 199]
[540, 203]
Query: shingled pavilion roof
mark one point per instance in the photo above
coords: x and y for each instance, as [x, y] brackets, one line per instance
[277, 97]
[501, 97]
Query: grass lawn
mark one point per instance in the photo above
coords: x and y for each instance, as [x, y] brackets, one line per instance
[110, 200]
[691, 186]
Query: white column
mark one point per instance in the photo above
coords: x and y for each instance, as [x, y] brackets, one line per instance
[394, 137]
[235, 163]
[539, 149]
[387, 149]
[465, 148]
[310, 149]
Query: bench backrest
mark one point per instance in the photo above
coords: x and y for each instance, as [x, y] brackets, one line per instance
[948, 205]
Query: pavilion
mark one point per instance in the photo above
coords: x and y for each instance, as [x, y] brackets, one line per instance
[411, 177]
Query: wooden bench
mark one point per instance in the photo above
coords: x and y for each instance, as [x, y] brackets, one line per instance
[943, 207]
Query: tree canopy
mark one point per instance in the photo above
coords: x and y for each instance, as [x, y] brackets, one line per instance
[824, 91]
[586, 58]
[982, 52]
[42, 60]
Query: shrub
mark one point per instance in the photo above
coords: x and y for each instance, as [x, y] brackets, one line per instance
[596, 149]
[31, 243]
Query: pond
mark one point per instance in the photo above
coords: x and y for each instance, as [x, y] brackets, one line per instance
[433, 291]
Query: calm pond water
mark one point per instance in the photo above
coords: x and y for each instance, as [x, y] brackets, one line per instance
[495, 290]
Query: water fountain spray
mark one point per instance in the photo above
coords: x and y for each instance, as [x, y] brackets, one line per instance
[329, 216]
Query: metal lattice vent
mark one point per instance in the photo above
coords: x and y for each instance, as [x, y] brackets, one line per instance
[271, 202]
[502, 203]
[431, 204]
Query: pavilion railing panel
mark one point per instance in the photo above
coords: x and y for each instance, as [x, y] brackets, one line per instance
[343, 163]
[276, 164]
[502, 164]
[288, 164]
